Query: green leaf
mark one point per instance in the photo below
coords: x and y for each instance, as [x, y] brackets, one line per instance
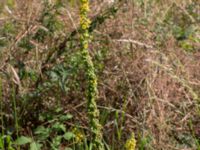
[56, 142]
[59, 110]
[65, 117]
[68, 135]
[1, 142]
[42, 132]
[9, 142]
[23, 140]
[35, 146]
[59, 127]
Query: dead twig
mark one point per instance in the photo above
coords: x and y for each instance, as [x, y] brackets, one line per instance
[134, 42]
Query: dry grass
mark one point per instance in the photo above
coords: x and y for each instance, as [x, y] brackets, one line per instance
[144, 73]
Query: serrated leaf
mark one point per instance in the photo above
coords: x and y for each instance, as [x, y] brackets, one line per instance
[23, 140]
[68, 136]
[59, 127]
[35, 146]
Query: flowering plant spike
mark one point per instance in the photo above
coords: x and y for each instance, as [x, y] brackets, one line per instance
[93, 112]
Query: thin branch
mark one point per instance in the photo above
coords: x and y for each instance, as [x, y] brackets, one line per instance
[134, 42]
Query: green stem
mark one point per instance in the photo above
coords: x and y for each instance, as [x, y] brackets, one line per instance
[15, 112]
[1, 105]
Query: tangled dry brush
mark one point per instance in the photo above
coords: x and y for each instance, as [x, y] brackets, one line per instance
[146, 55]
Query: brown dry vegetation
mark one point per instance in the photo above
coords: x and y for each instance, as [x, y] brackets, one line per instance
[148, 71]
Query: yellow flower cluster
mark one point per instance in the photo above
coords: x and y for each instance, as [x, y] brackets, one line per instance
[85, 6]
[84, 21]
[79, 136]
[131, 143]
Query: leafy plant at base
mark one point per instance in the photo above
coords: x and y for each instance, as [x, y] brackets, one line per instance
[52, 134]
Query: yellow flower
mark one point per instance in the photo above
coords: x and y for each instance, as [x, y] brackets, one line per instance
[85, 7]
[131, 143]
[79, 136]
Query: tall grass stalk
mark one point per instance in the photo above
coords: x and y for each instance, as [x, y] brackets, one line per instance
[93, 112]
[15, 112]
[1, 111]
